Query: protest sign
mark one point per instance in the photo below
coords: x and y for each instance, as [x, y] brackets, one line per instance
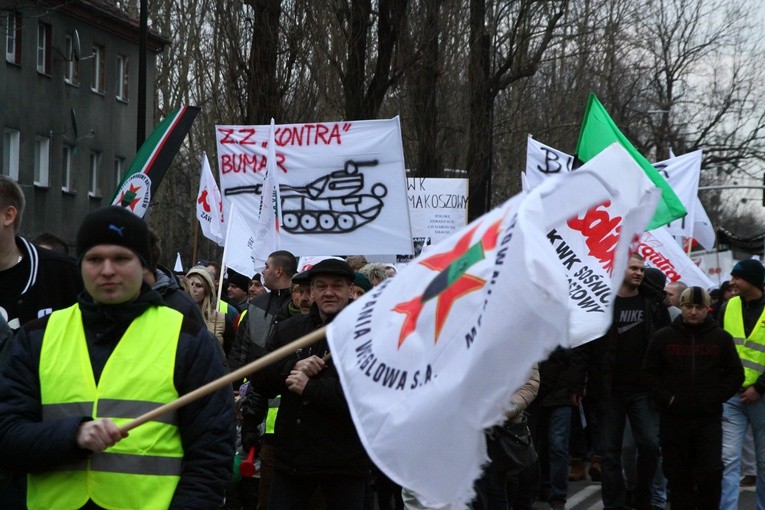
[342, 184]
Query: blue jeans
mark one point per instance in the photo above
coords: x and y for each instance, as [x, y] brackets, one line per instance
[557, 421]
[613, 411]
[629, 463]
[736, 417]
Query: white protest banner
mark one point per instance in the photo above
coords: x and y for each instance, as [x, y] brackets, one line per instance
[427, 360]
[594, 248]
[661, 251]
[542, 161]
[715, 265]
[342, 184]
[307, 262]
[437, 208]
[682, 174]
[240, 242]
[703, 231]
[209, 204]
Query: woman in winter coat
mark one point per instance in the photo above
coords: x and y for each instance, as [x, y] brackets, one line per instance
[203, 292]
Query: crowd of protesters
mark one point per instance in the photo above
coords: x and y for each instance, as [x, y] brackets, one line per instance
[657, 409]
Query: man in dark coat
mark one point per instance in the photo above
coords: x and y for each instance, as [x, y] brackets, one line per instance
[690, 369]
[316, 441]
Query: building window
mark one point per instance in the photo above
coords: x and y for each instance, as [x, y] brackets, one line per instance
[43, 48]
[95, 185]
[13, 38]
[119, 170]
[66, 168]
[72, 69]
[42, 160]
[11, 153]
[123, 74]
[98, 70]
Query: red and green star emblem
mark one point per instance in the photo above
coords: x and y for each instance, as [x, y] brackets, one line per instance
[130, 198]
[452, 281]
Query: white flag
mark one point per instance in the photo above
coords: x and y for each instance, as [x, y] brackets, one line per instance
[178, 264]
[594, 247]
[682, 173]
[430, 358]
[542, 161]
[703, 231]
[209, 205]
[660, 250]
[240, 243]
[267, 226]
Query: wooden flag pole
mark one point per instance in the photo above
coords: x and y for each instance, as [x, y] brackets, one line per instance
[271, 357]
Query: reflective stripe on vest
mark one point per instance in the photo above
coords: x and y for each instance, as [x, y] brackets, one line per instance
[750, 349]
[273, 410]
[142, 470]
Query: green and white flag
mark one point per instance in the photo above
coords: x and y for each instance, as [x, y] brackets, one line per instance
[152, 161]
[598, 132]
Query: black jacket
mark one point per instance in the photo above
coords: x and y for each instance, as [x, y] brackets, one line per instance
[553, 379]
[697, 365]
[255, 327]
[28, 444]
[592, 364]
[314, 431]
[52, 282]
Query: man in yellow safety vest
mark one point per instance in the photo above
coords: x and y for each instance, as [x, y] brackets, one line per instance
[76, 376]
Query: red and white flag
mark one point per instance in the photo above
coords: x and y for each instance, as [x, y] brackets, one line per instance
[660, 250]
[209, 205]
[430, 358]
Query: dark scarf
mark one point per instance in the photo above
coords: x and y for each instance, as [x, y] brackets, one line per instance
[107, 323]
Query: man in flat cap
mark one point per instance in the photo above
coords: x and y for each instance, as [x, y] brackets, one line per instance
[77, 375]
[316, 442]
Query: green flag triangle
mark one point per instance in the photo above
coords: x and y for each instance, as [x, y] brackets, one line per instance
[598, 132]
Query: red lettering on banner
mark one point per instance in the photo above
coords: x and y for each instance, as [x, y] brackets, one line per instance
[226, 136]
[601, 233]
[659, 261]
[250, 132]
[238, 163]
[302, 135]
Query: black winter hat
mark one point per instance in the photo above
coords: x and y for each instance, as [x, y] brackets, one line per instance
[332, 267]
[114, 225]
[750, 270]
[238, 279]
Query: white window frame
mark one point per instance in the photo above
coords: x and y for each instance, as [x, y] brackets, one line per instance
[94, 190]
[43, 48]
[119, 170]
[72, 69]
[11, 144]
[66, 168]
[42, 161]
[11, 42]
[99, 79]
[123, 70]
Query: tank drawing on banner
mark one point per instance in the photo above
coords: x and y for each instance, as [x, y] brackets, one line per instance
[334, 203]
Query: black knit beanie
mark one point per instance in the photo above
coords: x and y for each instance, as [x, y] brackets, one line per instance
[750, 270]
[114, 225]
[238, 279]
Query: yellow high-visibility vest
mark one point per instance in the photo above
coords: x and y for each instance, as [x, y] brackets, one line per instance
[273, 410]
[141, 471]
[750, 349]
